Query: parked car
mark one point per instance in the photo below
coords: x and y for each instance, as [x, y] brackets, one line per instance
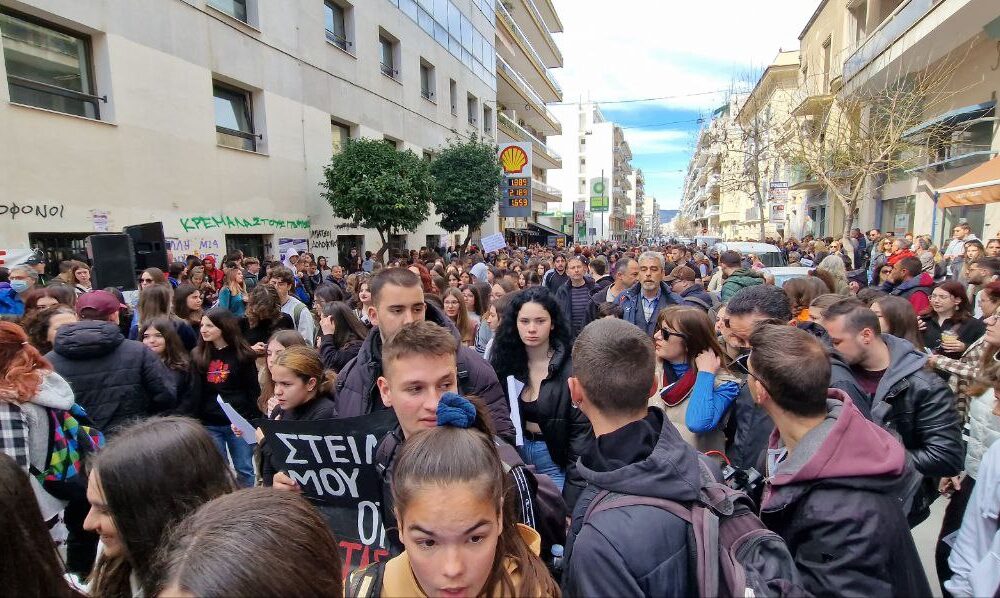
[783, 274]
[769, 254]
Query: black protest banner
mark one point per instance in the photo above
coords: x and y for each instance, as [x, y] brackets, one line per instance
[333, 462]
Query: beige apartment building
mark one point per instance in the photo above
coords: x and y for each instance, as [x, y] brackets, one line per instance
[526, 52]
[217, 117]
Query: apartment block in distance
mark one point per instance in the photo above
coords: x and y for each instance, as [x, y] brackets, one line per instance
[217, 117]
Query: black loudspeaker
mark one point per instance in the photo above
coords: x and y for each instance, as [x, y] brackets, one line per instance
[113, 261]
[149, 244]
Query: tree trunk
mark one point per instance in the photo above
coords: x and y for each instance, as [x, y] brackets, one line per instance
[465, 244]
[380, 254]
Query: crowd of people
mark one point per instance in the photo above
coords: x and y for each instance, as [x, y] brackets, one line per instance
[569, 422]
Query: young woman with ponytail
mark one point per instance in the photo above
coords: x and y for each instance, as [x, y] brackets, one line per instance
[302, 390]
[460, 535]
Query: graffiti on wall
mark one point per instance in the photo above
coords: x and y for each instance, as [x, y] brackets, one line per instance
[180, 248]
[321, 239]
[195, 223]
[43, 210]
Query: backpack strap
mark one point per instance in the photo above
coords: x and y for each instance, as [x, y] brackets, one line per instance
[296, 313]
[366, 583]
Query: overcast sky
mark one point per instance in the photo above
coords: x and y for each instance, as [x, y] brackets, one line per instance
[632, 49]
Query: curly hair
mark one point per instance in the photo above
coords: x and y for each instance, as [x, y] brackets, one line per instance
[263, 306]
[37, 325]
[21, 365]
[509, 357]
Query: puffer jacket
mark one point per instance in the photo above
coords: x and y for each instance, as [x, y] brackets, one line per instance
[10, 303]
[984, 430]
[835, 501]
[566, 430]
[115, 380]
[913, 403]
[739, 280]
[356, 393]
[636, 550]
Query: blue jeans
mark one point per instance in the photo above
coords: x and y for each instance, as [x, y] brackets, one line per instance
[239, 451]
[535, 452]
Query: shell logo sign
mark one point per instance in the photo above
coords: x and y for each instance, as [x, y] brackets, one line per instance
[513, 159]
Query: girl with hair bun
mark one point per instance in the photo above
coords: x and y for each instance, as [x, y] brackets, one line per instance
[460, 534]
[302, 391]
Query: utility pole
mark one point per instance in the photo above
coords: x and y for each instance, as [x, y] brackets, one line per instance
[604, 206]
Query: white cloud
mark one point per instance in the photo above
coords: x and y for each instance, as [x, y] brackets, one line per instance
[652, 48]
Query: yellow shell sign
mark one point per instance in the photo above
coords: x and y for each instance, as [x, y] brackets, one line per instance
[513, 159]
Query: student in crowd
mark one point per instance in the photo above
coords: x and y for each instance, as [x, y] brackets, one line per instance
[455, 308]
[253, 542]
[885, 377]
[223, 366]
[695, 390]
[450, 492]
[302, 389]
[833, 477]
[819, 305]
[632, 550]
[278, 342]
[950, 327]
[557, 276]
[31, 566]
[896, 317]
[531, 355]
[801, 292]
[41, 298]
[398, 299]
[155, 302]
[283, 281]
[42, 325]
[80, 275]
[160, 336]
[324, 295]
[213, 275]
[983, 273]
[145, 482]
[909, 281]
[342, 337]
[263, 318]
[188, 305]
[233, 295]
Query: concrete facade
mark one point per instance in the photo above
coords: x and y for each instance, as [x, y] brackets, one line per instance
[153, 155]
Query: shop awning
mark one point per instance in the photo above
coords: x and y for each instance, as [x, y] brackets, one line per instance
[545, 229]
[979, 186]
[952, 118]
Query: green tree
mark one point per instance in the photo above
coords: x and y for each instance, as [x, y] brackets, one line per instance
[467, 178]
[373, 185]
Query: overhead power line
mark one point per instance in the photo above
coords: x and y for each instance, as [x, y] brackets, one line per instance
[636, 100]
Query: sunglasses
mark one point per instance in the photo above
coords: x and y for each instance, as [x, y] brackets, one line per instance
[742, 364]
[667, 334]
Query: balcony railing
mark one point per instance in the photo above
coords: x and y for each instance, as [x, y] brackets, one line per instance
[531, 52]
[525, 88]
[388, 71]
[517, 130]
[547, 189]
[549, 40]
[886, 34]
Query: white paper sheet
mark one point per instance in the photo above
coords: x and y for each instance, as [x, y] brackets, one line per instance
[249, 432]
[514, 388]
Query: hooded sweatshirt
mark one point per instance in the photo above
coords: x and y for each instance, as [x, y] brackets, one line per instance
[835, 499]
[53, 393]
[739, 280]
[917, 291]
[637, 550]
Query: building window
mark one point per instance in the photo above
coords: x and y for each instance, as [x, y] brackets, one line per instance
[859, 20]
[234, 118]
[388, 59]
[426, 80]
[48, 67]
[487, 120]
[234, 8]
[453, 91]
[341, 133]
[336, 24]
[472, 105]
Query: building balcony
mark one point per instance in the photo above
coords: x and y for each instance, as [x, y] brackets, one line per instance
[545, 192]
[813, 105]
[512, 89]
[533, 25]
[546, 157]
[712, 212]
[899, 22]
[527, 62]
[550, 15]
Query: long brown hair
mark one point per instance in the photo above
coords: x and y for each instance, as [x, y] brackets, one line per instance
[902, 319]
[698, 330]
[347, 325]
[174, 355]
[153, 475]
[305, 363]
[252, 542]
[285, 338]
[462, 321]
[447, 455]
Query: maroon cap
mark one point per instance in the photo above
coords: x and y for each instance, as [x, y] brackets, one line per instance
[682, 273]
[102, 302]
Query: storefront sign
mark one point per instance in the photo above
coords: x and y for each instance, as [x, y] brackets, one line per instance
[579, 211]
[599, 195]
[515, 189]
[901, 225]
[778, 213]
[779, 191]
